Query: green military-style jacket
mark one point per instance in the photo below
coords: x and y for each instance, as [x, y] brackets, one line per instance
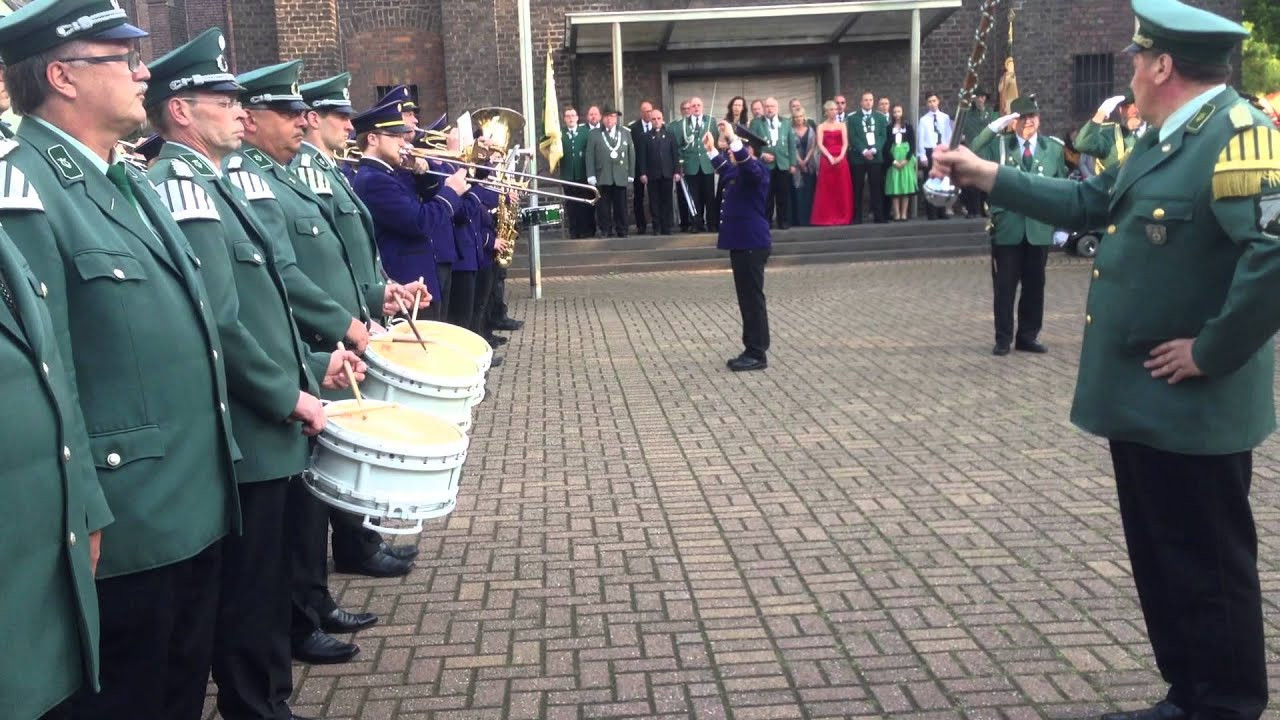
[573, 166]
[689, 147]
[313, 263]
[781, 150]
[267, 365]
[975, 121]
[602, 165]
[1192, 250]
[1107, 143]
[858, 136]
[129, 308]
[352, 219]
[52, 503]
[1007, 227]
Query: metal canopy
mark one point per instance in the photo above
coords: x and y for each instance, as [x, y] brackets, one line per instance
[753, 26]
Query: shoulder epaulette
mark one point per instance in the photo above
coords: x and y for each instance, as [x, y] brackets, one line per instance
[1057, 140]
[315, 179]
[1249, 164]
[1241, 117]
[180, 169]
[235, 162]
[259, 158]
[304, 160]
[199, 164]
[17, 193]
[7, 146]
[187, 200]
[253, 186]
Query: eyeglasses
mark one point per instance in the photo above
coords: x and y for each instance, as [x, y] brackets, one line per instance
[133, 59]
[288, 114]
[222, 102]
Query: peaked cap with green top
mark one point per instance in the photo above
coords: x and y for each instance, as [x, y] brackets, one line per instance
[198, 65]
[1185, 32]
[46, 24]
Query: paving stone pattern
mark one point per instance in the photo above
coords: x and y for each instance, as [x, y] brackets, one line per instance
[887, 523]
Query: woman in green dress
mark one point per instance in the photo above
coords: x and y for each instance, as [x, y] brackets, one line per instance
[900, 181]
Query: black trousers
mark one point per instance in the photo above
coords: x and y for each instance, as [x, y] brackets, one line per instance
[439, 309]
[307, 525]
[868, 176]
[581, 217]
[1194, 553]
[974, 202]
[885, 200]
[748, 281]
[779, 197]
[352, 541]
[61, 712]
[497, 308]
[484, 288]
[612, 210]
[251, 657]
[660, 203]
[157, 641]
[706, 210]
[637, 205]
[462, 298]
[931, 212]
[1010, 265]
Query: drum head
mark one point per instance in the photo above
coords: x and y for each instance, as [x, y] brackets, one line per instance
[394, 425]
[465, 340]
[437, 361]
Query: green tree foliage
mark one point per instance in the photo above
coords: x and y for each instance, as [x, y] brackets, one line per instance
[1260, 64]
[1265, 18]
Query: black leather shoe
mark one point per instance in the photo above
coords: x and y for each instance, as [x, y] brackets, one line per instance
[1000, 349]
[321, 648]
[745, 363]
[341, 621]
[380, 564]
[508, 324]
[1163, 710]
[495, 362]
[400, 552]
[496, 341]
[1031, 346]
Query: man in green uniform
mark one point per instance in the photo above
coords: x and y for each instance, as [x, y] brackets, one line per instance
[327, 303]
[55, 515]
[1109, 143]
[1019, 244]
[1177, 366]
[130, 312]
[355, 549]
[867, 134]
[573, 167]
[192, 102]
[778, 157]
[976, 120]
[695, 171]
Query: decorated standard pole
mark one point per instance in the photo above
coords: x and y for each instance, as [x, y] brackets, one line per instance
[939, 192]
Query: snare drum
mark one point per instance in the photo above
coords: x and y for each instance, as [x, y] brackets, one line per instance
[541, 215]
[440, 381]
[461, 339]
[385, 461]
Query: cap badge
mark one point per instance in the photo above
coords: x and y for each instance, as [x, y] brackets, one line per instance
[346, 93]
[293, 89]
[222, 63]
[1143, 41]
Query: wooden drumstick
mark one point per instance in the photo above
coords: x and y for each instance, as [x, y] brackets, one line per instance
[417, 300]
[412, 325]
[351, 377]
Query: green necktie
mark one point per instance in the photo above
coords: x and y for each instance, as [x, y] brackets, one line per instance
[120, 178]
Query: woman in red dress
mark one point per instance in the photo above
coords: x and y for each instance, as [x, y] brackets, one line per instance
[833, 197]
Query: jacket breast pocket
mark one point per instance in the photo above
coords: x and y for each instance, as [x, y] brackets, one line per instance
[118, 448]
[246, 252]
[308, 227]
[108, 265]
[348, 208]
[1163, 219]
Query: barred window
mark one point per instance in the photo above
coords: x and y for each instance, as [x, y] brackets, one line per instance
[382, 90]
[1092, 82]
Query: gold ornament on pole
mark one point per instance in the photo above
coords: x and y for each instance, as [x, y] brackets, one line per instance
[1008, 87]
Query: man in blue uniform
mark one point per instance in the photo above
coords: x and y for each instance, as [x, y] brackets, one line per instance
[744, 232]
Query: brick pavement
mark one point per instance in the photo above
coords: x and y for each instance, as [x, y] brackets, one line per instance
[888, 522]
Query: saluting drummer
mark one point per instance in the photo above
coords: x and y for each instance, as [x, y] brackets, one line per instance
[192, 102]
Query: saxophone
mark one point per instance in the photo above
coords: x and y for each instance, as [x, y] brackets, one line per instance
[506, 229]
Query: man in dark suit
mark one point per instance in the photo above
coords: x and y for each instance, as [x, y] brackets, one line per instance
[639, 138]
[867, 135]
[659, 166]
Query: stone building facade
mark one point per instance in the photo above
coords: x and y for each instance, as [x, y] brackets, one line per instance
[463, 54]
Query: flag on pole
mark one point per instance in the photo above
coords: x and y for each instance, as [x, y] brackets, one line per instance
[551, 147]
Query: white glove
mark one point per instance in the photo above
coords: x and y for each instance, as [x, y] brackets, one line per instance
[631, 180]
[591, 180]
[1060, 238]
[999, 124]
[1109, 105]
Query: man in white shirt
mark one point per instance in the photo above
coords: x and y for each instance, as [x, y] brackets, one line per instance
[933, 130]
[640, 139]
[841, 105]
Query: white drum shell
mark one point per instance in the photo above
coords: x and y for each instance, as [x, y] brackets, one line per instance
[395, 481]
[443, 397]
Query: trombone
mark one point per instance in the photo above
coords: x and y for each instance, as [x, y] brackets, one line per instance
[453, 158]
[353, 156]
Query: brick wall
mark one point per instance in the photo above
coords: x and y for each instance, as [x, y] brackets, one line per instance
[308, 31]
[253, 36]
[394, 44]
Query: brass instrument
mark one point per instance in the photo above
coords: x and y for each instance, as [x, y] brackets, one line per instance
[518, 186]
